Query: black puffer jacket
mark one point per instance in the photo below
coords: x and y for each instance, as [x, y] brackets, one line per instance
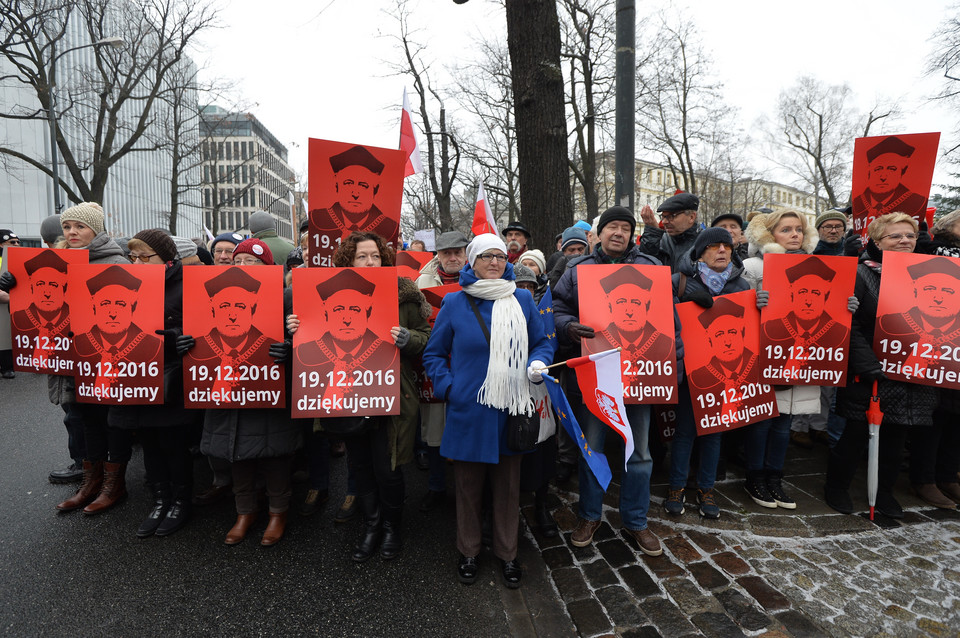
[668, 249]
[902, 403]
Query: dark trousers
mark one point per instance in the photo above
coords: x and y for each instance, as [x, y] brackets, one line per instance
[166, 457]
[935, 450]
[275, 471]
[72, 420]
[104, 443]
[845, 456]
[504, 480]
[318, 459]
[368, 457]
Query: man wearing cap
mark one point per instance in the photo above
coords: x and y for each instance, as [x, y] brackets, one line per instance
[887, 162]
[264, 227]
[733, 224]
[678, 215]
[356, 181]
[573, 244]
[222, 248]
[516, 237]
[615, 229]
[831, 225]
[445, 267]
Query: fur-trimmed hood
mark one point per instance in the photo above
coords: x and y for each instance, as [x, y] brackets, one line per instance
[408, 292]
[762, 241]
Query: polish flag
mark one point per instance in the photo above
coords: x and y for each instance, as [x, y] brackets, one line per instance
[598, 376]
[482, 215]
[408, 140]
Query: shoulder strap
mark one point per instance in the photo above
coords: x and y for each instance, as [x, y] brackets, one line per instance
[683, 286]
[476, 311]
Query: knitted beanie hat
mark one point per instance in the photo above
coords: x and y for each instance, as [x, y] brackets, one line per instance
[87, 213]
[255, 247]
[536, 256]
[710, 236]
[185, 247]
[159, 242]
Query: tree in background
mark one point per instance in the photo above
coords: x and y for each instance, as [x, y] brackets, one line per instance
[945, 61]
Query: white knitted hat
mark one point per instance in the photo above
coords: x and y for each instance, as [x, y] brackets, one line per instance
[87, 213]
[482, 243]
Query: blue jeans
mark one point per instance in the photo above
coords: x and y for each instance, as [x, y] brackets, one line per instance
[682, 445]
[766, 444]
[635, 482]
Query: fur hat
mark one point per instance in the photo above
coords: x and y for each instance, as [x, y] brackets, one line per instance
[762, 241]
[158, 241]
[87, 213]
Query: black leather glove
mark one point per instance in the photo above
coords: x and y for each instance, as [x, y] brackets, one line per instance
[701, 297]
[852, 245]
[577, 331]
[280, 352]
[872, 375]
[184, 344]
[7, 281]
[170, 334]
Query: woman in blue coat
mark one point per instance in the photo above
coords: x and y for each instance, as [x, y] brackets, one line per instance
[482, 373]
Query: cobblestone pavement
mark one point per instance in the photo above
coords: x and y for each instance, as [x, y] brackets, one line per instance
[807, 572]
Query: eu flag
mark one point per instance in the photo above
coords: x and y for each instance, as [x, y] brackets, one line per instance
[594, 459]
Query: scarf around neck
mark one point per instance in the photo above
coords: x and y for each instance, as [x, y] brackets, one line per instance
[714, 280]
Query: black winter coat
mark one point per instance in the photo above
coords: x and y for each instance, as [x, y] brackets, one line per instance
[689, 269]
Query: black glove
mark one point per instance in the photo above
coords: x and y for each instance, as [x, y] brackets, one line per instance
[7, 281]
[170, 334]
[852, 245]
[577, 331]
[280, 352]
[701, 297]
[872, 375]
[184, 344]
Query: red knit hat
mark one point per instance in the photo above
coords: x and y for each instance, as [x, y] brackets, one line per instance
[256, 248]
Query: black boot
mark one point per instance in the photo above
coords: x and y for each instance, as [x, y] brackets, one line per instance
[836, 489]
[372, 528]
[392, 543]
[548, 526]
[161, 503]
[179, 512]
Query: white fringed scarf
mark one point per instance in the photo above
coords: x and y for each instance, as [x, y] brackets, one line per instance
[505, 387]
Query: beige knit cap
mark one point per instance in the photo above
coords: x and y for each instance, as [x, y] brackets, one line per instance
[87, 213]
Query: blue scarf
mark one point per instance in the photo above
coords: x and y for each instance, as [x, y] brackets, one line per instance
[714, 280]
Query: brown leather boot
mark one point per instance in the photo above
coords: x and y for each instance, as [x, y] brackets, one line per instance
[89, 487]
[929, 493]
[275, 528]
[239, 530]
[114, 488]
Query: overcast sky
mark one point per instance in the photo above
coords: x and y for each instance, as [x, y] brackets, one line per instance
[317, 68]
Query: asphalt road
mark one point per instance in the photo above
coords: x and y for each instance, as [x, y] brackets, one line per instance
[74, 575]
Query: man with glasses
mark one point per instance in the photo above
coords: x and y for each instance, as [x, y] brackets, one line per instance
[831, 225]
[678, 216]
[222, 248]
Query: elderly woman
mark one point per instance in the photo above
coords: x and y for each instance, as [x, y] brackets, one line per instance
[487, 341]
[905, 405]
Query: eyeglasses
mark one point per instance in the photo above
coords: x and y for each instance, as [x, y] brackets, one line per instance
[223, 251]
[899, 236]
[143, 258]
[488, 257]
[832, 227]
[669, 217]
[717, 246]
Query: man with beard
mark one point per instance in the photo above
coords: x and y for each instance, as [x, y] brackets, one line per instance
[516, 237]
[46, 320]
[888, 161]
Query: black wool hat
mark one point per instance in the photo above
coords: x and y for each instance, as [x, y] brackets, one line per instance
[710, 236]
[233, 277]
[619, 214]
[721, 306]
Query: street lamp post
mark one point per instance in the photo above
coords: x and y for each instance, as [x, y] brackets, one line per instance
[115, 42]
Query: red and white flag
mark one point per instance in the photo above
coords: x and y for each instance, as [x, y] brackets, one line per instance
[598, 376]
[482, 215]
[408, 140]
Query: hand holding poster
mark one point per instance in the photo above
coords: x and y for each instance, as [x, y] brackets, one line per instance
[434, 297]
[805, 329]
[720, 353]
[345, 362]
[40, 314]
[892, 174]
[631, 306]
[362, 187]
[917, 335]
[237, 315]
[115, 313]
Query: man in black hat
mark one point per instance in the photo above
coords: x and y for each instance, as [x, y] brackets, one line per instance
[887, 162]
[356, 181]
[516, 236]
[46, 321]
[678, 214]
[733, 223]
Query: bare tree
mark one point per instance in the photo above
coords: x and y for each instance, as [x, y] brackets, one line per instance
[945, 61]
[114, 101]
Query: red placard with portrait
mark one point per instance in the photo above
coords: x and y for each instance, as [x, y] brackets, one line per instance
[435, 297]
[357, 188]
[805, 329]
[409, 263]
[39, 312]
[665, 418]
[917, 333]
[892, 174]
[234, 314]
[720, 346]
[631, 306]
[345, 363]
[115, 313]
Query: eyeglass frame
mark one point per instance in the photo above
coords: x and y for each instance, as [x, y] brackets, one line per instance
[899, 236]
[141, 258]
[488, 257]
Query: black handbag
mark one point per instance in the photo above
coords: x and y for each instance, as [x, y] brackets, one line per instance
[523, 430]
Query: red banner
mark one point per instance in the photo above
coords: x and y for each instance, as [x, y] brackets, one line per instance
[720, 355]
[235, 313]
[435, 297]
[631, 306]
[361, 189]
[39, 312]
[917, 335]
[805, 329]
[665, 416]
[345, 362]
[409, 263]
[115, 313]
[892, 174]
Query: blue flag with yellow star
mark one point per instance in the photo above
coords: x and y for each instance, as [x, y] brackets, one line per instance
[546, 314]
[594, 459]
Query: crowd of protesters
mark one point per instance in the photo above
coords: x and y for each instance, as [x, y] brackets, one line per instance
[487, 346]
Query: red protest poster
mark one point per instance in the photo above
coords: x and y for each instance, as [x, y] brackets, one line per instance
[345, 363]
[720, 354]
[39, 312]
[892, 174]
[805, 329]
[665, 418]
[631, 306]
[115, 313]
[234, 314]
[358, 188]
[917, 335]
[435, 297]
[409, 263]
